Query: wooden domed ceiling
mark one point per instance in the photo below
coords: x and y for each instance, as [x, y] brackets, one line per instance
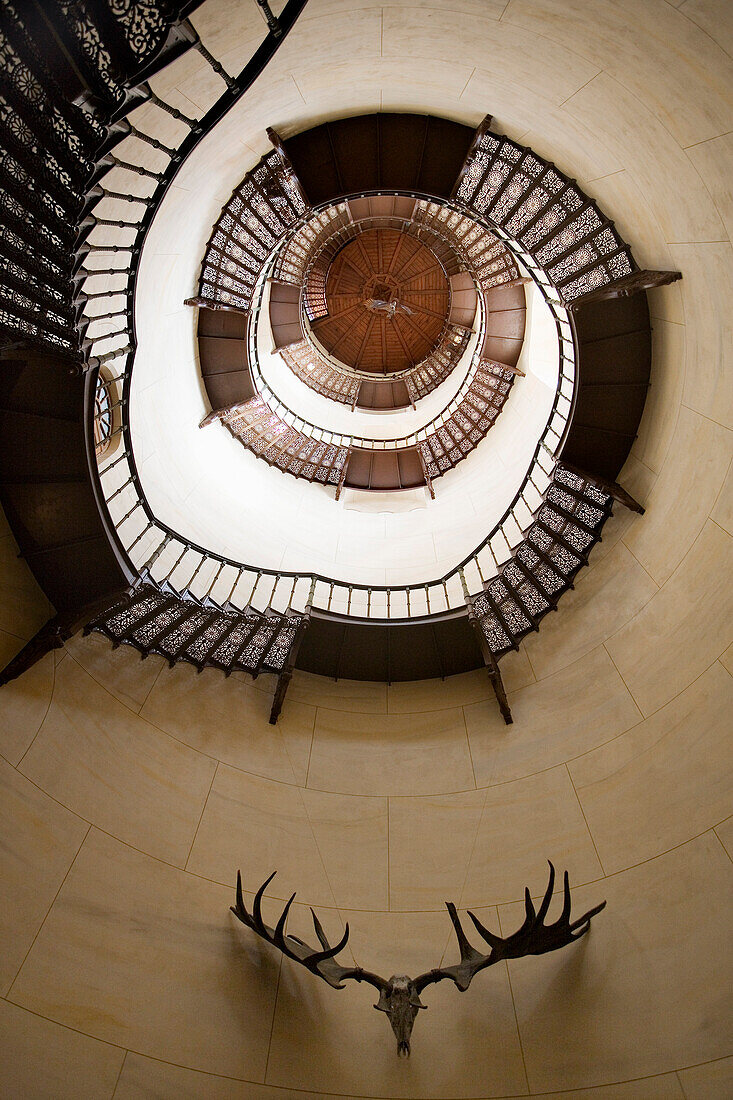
[388, 300]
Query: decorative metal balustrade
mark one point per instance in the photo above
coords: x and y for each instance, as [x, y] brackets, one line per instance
[303, 258]
[151, 545]
[272, 439]
[320, 375]
[269, 437]
[264, 206]
[488, 259]
[293, 260]
[468, 424]
[342, 384]
[425, 377]
[546, 213]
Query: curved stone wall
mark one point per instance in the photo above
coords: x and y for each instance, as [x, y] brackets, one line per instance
[131, 793]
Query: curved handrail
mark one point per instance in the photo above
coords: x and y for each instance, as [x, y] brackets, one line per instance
[359, 600]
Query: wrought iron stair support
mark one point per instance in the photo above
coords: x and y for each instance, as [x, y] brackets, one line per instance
[491, 664]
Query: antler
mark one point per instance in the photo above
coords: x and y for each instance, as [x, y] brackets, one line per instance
[321, 963]
[533, 938]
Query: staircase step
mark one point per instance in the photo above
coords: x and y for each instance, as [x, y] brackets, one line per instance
[280, 646]
[515, 617]
[172, 644]
[198, 650]
[562, 557]
[251, 657]
[231, 646]
[542, 568]
[146, 635]
[527, 591]
[143, 604]
[579, 511]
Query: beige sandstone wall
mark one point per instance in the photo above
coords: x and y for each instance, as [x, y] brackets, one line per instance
[131, 793]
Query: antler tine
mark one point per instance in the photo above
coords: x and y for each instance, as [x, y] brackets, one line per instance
[468, 952]
[322, 939]
[542, 911]
[322, 963]
[257, 904]
[328, 952]
[279, 937]
[585, 919]
[492, 940]
[239, 908]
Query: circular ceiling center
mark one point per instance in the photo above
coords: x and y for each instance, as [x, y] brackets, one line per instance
[387, 297]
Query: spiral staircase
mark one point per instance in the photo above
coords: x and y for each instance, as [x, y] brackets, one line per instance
[73, 159]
